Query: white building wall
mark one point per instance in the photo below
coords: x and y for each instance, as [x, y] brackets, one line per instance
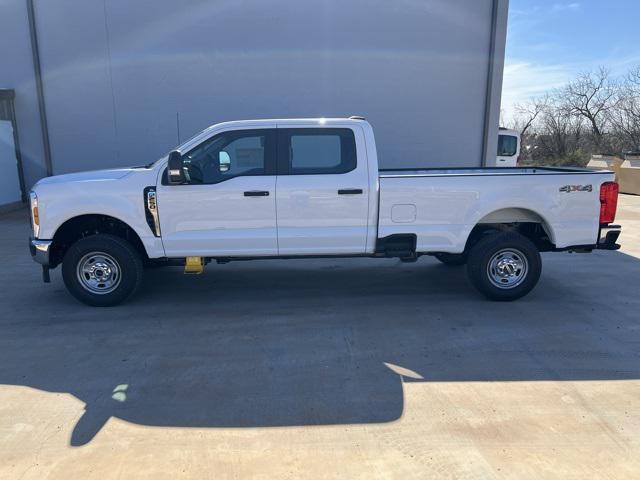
[125, 81]
[16, 72]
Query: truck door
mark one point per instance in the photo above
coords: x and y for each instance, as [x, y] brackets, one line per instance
[227, 207]
[322, 192]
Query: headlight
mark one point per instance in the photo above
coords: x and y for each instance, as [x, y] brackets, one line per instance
[35, 215]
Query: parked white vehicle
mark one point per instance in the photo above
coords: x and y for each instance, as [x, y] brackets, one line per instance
[508, 148]
[299, 188]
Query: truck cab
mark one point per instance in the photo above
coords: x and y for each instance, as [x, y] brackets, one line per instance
[289, 187]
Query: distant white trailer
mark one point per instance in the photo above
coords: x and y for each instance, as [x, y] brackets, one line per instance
[508, 148]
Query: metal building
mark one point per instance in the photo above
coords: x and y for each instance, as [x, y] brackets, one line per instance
[113, 82]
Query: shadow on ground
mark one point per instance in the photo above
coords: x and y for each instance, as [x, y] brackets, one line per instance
[317, 342]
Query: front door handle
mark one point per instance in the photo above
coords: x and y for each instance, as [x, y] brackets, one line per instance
[256, 193]
[350, 191]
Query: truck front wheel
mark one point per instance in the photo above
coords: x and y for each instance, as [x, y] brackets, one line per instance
[504, 266]
[102, 270]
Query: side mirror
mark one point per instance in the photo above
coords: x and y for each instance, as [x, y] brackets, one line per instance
[175, 172]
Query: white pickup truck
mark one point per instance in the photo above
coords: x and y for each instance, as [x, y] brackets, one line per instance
[310, 188]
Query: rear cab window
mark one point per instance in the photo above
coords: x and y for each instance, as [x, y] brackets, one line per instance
[309, 151]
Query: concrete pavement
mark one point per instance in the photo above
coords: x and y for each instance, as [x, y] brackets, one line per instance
[324, 369]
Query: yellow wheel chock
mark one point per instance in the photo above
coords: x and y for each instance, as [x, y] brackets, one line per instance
[194, 265]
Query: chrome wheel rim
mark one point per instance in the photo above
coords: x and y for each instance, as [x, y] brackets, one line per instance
[99, 273]
[507, 268]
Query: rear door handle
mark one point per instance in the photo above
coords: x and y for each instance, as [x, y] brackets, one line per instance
[256, 193]
[350, 191]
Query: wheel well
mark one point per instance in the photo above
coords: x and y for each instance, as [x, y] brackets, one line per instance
[520, 220]
[534, 231]
[86, 225]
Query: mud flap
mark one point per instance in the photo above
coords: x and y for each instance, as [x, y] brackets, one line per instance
[46, 278]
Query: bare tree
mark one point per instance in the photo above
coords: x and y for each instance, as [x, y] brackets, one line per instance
[527, 113]
[557, 136]
[625, 116]
[634, 78]
[592, 114]
[591, 96]
[523, 121]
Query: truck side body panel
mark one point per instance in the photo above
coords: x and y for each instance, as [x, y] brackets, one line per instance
[443, 207]
[307, 215]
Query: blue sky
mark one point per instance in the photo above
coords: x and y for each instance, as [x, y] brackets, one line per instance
[550, 41]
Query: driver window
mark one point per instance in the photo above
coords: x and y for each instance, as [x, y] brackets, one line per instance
[227, 155]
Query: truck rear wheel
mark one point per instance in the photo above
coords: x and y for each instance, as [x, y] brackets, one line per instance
[504, 266]
[102, 270]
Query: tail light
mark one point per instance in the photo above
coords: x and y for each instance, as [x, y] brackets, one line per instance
[608, 202]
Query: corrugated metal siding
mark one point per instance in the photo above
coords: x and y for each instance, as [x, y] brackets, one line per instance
[124, 80]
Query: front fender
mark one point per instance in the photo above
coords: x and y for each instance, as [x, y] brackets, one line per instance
[122, 199]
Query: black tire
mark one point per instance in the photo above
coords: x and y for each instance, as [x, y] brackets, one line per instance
[509, 260]
[105, 257]
[452, 259]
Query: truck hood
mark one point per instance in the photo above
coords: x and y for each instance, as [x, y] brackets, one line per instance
[93, 176]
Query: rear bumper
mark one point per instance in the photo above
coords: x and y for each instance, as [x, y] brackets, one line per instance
[40, 250]
[608, 241]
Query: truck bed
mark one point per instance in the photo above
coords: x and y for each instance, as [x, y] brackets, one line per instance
[442, 206]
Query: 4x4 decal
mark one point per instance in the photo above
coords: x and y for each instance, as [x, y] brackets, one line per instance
[576, 188]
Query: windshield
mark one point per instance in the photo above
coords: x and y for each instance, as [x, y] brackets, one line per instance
[179, 147]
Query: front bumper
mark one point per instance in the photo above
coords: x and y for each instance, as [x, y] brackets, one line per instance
[40, 250]
[608, 242]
